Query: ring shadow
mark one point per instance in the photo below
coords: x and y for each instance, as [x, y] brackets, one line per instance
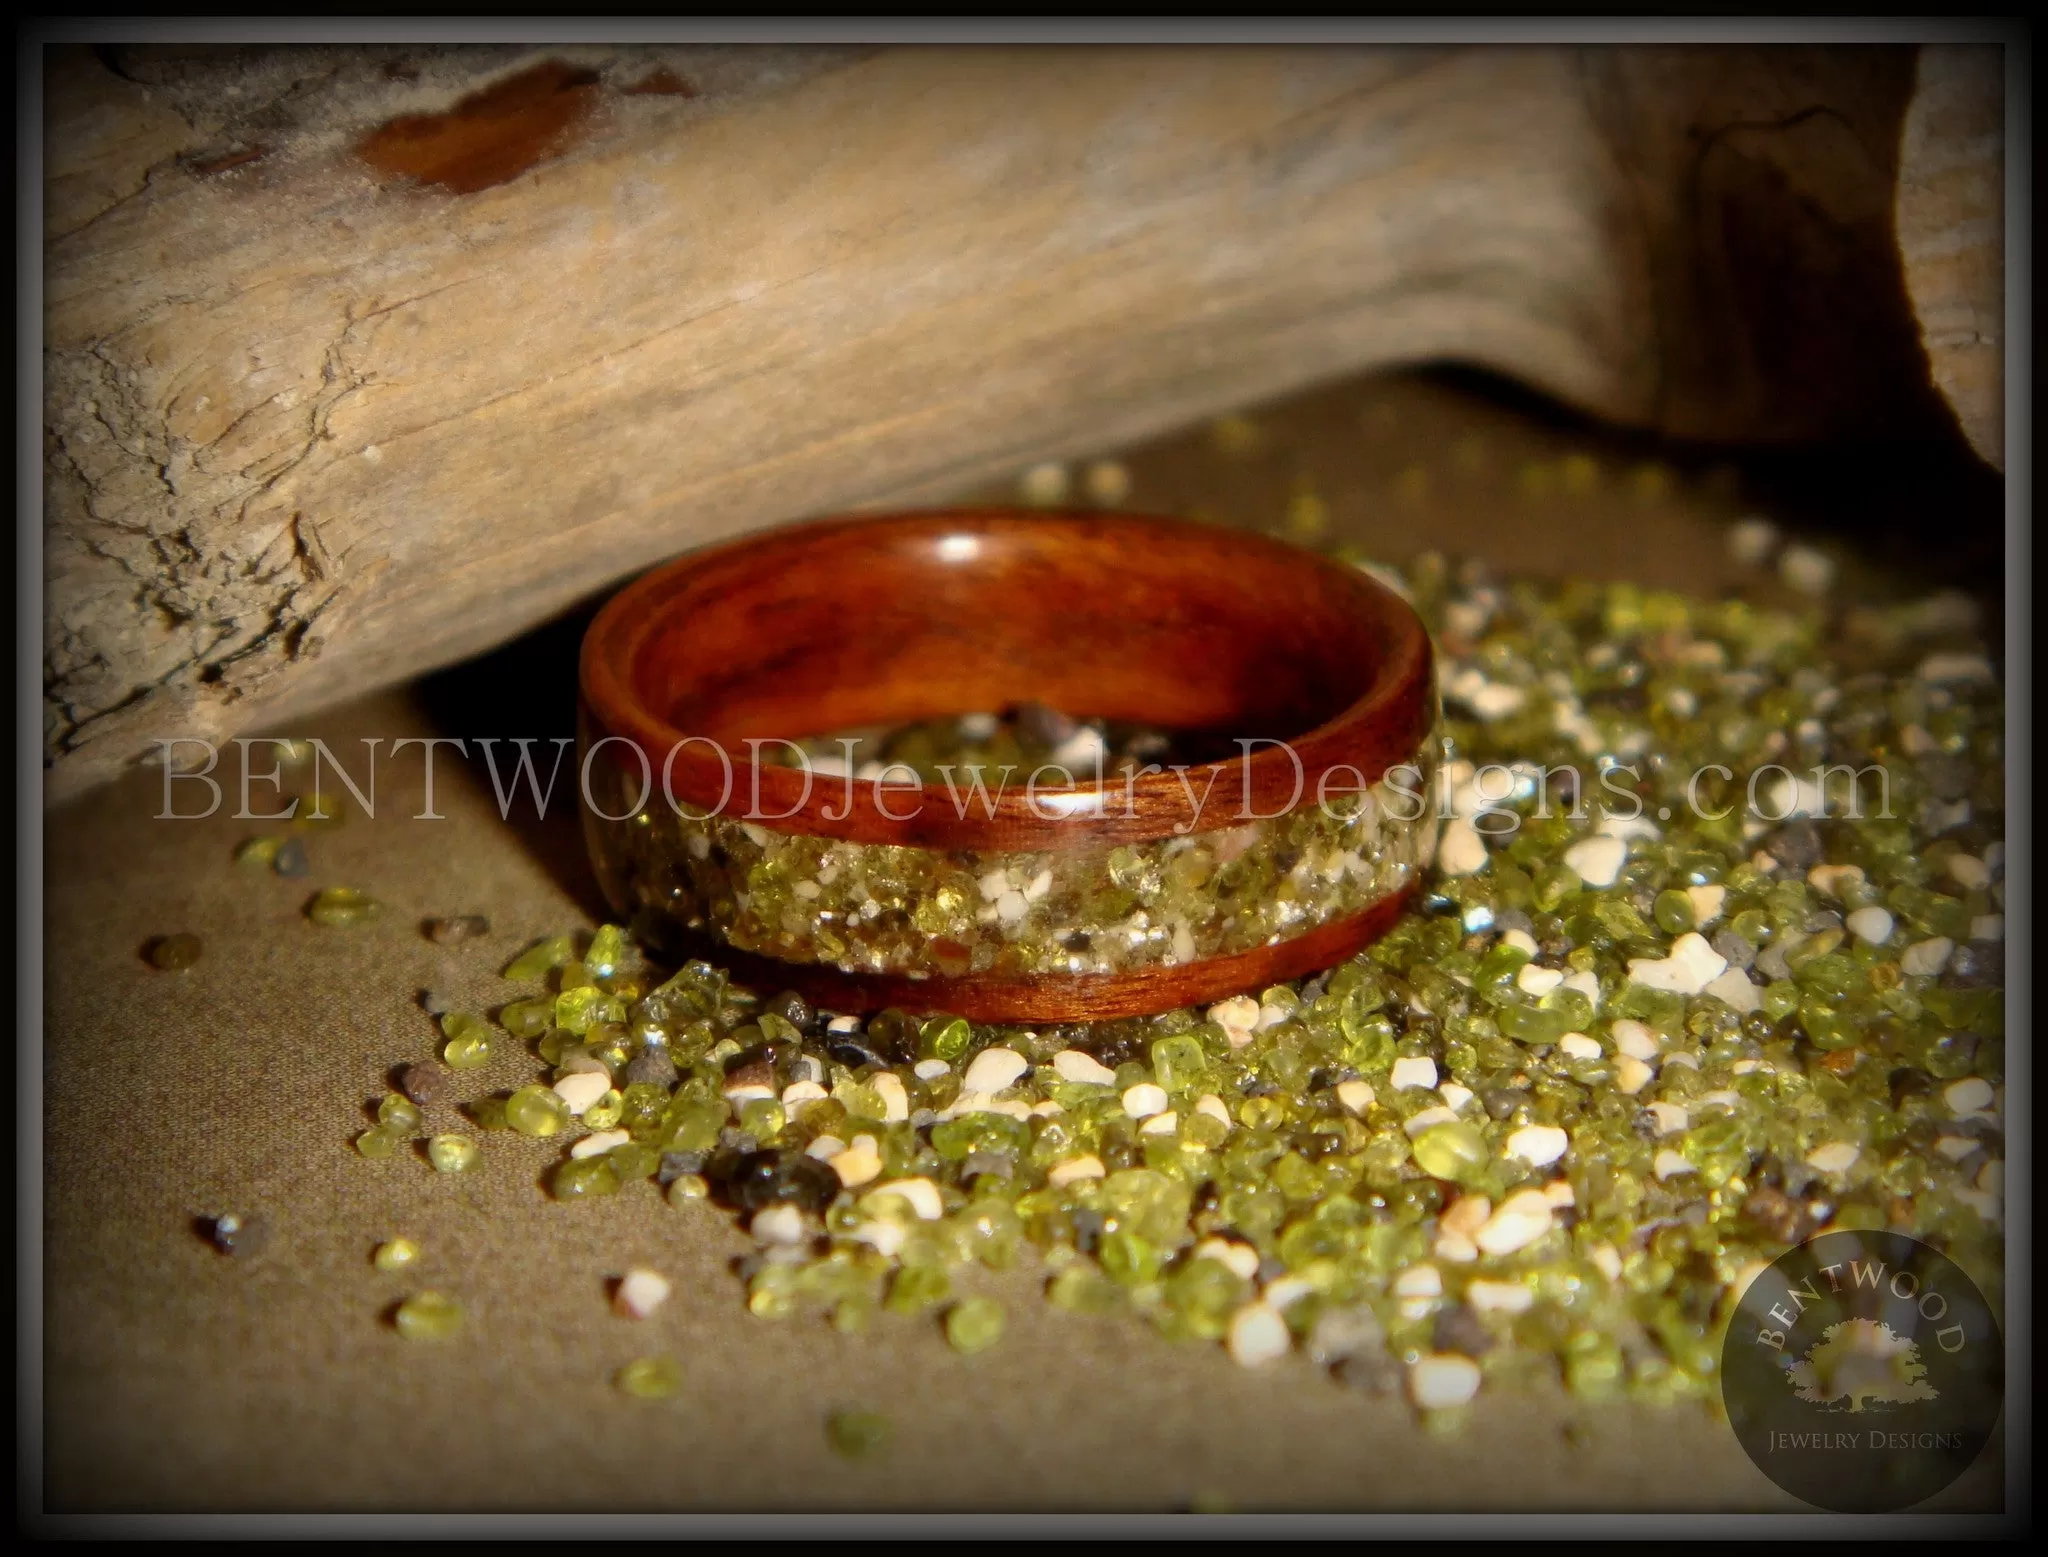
[1915, 502]
[525, 689]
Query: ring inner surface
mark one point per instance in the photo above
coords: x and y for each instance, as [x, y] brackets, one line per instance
[855, 628]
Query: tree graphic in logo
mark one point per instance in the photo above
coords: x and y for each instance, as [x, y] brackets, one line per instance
[1860, 1363]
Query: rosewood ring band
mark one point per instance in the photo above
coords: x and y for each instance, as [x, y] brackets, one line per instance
[1062, 897]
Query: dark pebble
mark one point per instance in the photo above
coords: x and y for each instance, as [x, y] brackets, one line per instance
[1501, 1102]
[1260, 1087]
[1117, 1049]
[1370, 1373]
[652, 1066]
[734, 1139]
[1739, 952]
[290, 859]
[424, 1084]
[456, 930]
[174, 953]
[1796, 846]
[892, 1035]
[751, 1181]
[778, 1052]
[1823, 919]
[1040, 723]
[849, 1051]
[1976, 965]
[675, 1165]
[793, 1009]
[1313, 990]
[239, 1235]
[922, 1119]
[1271, 1268]
[1088, 1228]
[1459, 1330]
[752, 1069]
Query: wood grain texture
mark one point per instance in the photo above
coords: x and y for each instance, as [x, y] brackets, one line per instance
[311, 428]
[891, 619]
[1951, 226]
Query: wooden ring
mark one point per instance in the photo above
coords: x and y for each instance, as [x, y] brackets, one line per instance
[1323, 674]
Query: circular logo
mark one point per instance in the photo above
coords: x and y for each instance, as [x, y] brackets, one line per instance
[1863, 1371]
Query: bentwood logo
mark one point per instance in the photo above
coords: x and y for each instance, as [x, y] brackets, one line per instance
[1863, 1371]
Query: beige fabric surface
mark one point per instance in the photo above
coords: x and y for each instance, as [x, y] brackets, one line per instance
[179, 1379]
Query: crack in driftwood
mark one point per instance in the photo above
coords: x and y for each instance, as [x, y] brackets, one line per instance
[257, 609]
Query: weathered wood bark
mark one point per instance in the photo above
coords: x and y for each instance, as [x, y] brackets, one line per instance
[1951, 222]
[360, 360]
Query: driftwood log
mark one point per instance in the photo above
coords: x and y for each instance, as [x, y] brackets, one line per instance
[360, 360]
[1951, 227]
